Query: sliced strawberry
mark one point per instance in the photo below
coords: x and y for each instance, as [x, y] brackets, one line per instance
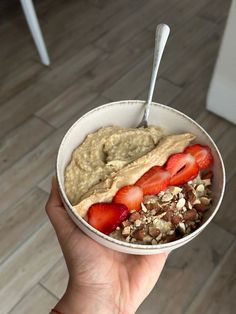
[154, 180]
[202, 155]
[131, 196]
[182, 167]
[105, 217]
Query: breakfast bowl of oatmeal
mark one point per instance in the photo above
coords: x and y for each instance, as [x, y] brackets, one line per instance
[139, 190]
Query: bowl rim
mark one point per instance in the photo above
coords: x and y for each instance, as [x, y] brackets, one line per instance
[140, 246]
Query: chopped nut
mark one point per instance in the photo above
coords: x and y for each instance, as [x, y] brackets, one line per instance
[158, 238]
[154, 241]
[147, 238]
[160, 216]
[200, 207]
[150, 199]
[191, 196]
[206, 182]
[139, 234]
[180, 203]
[184, 209]
[181, 227]
[134, 216]
[128, 239]
[168, 215]
[137, 223]
[153, 231]
[200, 188]
[125, 223]
[126, 231]
[175, 190]
[191, 214]
[151, 206]
[133, 240]
[205, 200]
[175, 220]
[161, 193]
[170, 237]
[181, 195]
[144, 209]
[153, 212]
[167, 197]
[189, 205]
[197, 201]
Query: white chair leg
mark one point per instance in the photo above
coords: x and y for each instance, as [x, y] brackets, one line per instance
[35, 30]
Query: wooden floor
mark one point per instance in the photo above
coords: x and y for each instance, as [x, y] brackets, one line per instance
[101, 50]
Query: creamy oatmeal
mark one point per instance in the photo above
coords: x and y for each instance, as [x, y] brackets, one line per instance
[104, 152]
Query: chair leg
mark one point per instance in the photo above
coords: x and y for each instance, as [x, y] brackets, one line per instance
[35, 30]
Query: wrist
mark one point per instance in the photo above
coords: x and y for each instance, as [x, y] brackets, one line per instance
[86, 300]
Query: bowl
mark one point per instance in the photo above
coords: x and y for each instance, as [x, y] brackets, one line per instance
[128, 113]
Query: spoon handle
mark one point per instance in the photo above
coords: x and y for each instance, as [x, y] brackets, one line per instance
[162, 33]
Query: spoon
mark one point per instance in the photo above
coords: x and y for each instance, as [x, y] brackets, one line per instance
[162, 33]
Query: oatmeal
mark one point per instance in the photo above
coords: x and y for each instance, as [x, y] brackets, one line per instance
[104, 152]
[139, 185]
[106, 190]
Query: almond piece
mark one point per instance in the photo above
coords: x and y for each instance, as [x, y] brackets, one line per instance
[134, 216]
[137, 223]
[200, 188]
[181, 227]
[125, 223]
[168, 215]
[126, 231]
[144, 209]
[176, 220]
[180, 203]
[147, 238]
[189, 205]
[200, 207]
[206, 182]
[154, 232]
[170, 237]
[175, 190]
[139, 234]
[204, 200]
[167, 197]
[191, 215]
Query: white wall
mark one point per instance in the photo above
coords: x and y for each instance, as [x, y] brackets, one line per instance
[221, 98]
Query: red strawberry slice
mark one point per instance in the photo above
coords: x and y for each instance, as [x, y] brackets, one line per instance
[182, 167]
[105, 217]
[202, 155]
[154, 180]
[131, 196]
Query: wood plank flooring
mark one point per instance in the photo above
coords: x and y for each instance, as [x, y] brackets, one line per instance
[101, 51]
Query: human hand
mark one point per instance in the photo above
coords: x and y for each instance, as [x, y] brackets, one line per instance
[100, 280]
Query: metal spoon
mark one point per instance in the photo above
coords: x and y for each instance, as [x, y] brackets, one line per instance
[162, 33]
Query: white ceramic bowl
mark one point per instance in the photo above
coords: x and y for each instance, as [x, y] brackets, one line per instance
[128, 114]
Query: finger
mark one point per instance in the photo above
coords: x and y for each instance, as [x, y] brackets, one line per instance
[58, 216]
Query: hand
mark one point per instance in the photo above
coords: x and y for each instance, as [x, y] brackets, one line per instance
[100, 280]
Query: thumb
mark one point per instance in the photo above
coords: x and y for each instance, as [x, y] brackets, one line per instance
[57, 214]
